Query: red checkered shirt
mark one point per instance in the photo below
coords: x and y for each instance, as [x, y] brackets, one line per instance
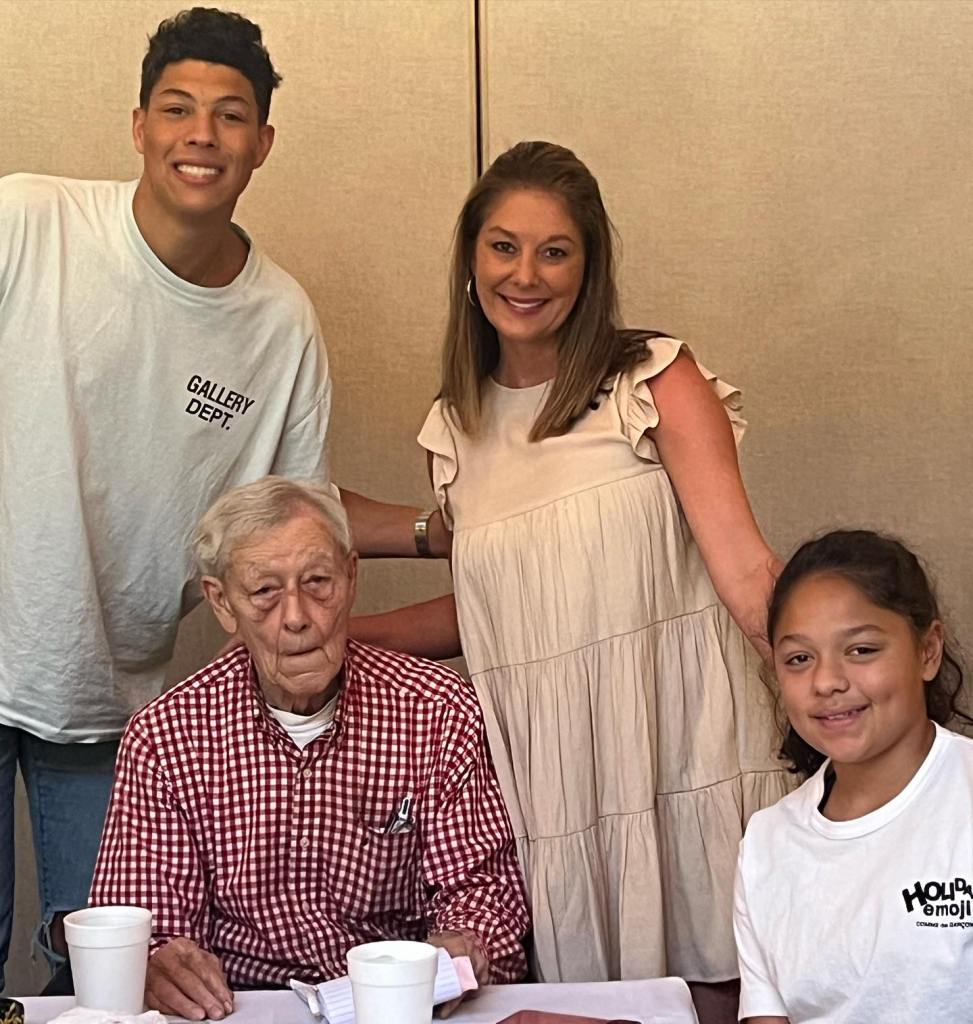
[274, 858]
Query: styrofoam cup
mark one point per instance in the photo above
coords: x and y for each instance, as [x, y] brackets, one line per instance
[393, 981]
[109, 948]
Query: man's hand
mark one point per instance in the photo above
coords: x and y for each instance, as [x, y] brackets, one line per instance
[186, 981]
[462, 944]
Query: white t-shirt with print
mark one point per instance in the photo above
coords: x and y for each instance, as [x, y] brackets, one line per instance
[130, 400]
[867, 921]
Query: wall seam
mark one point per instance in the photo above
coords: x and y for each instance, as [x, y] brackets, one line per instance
[479, 74]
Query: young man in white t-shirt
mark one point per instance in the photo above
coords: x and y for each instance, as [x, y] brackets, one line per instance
[153, 358]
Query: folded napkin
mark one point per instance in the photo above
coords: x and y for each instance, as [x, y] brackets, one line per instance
[81, 1015]
[331, 1000]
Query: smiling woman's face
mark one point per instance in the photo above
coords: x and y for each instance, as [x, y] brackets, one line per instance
[529, 262]
[287, 593]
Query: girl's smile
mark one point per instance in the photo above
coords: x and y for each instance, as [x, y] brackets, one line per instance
[840, 719]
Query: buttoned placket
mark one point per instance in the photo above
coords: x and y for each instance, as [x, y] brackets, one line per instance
[305, 775]
[303, 821]
[299, 773]
[302, 769]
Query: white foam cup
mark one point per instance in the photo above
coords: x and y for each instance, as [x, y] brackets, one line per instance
[109, 948]
[393, 981]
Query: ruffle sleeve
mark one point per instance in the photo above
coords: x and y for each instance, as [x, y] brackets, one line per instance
[633, 393]
[436, 436]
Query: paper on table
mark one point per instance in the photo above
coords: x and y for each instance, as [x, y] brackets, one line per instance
[82, 1015]
[332, 1002]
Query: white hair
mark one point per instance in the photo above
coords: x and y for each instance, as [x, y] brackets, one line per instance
[245, 510]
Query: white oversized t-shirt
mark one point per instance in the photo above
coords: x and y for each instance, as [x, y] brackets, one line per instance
[867, 921]
[129, 400]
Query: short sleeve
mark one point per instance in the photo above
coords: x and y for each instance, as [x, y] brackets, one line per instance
[636, 406]
[758, 994]
[302, 450]
[17, 192]
[437, 438]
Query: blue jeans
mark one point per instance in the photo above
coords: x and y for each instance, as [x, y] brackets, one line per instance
[68, 786]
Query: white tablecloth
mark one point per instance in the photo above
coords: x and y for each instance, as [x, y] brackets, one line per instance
[660, 1001]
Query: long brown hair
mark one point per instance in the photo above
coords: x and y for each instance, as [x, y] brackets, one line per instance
[590, 346]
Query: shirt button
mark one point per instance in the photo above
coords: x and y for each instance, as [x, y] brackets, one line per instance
[306, 907]
[305, 843]
[307, 773]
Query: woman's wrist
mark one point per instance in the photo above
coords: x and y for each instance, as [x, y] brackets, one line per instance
[437, 539]
[440, 536]
[420, 533]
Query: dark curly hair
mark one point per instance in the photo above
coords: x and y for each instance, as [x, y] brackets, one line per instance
[891, 577]
[217, 37]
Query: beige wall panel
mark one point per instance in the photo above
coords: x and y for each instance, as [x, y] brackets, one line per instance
[374, 153]
[791, 184]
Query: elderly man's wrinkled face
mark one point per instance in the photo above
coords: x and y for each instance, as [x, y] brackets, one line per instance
[287, 593]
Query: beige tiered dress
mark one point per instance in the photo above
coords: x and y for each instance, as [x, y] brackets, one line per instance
[631, 734]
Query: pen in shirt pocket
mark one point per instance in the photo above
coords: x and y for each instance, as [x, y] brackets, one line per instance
[401, 819]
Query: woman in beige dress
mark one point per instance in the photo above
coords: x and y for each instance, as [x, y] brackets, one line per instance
[607, 568]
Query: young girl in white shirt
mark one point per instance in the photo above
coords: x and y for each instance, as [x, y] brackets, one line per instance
[854, 894]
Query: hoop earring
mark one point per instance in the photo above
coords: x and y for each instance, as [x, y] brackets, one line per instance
[469, 292]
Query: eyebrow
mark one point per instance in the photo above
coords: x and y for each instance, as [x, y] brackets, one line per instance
[317, 561]
[547, 241]
[848, 634]
[189, 96]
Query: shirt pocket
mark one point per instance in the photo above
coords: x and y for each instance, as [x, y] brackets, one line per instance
[380, 874]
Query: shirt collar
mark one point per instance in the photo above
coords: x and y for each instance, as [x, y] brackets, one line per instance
[347, 697]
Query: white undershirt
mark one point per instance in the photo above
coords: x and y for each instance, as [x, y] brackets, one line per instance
[305, 729]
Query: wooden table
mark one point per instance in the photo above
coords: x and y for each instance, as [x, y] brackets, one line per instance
[660, 1001]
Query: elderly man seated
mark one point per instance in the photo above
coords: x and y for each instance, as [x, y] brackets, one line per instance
[304, 793]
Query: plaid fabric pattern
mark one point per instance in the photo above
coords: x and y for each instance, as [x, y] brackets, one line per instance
[273, 858]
